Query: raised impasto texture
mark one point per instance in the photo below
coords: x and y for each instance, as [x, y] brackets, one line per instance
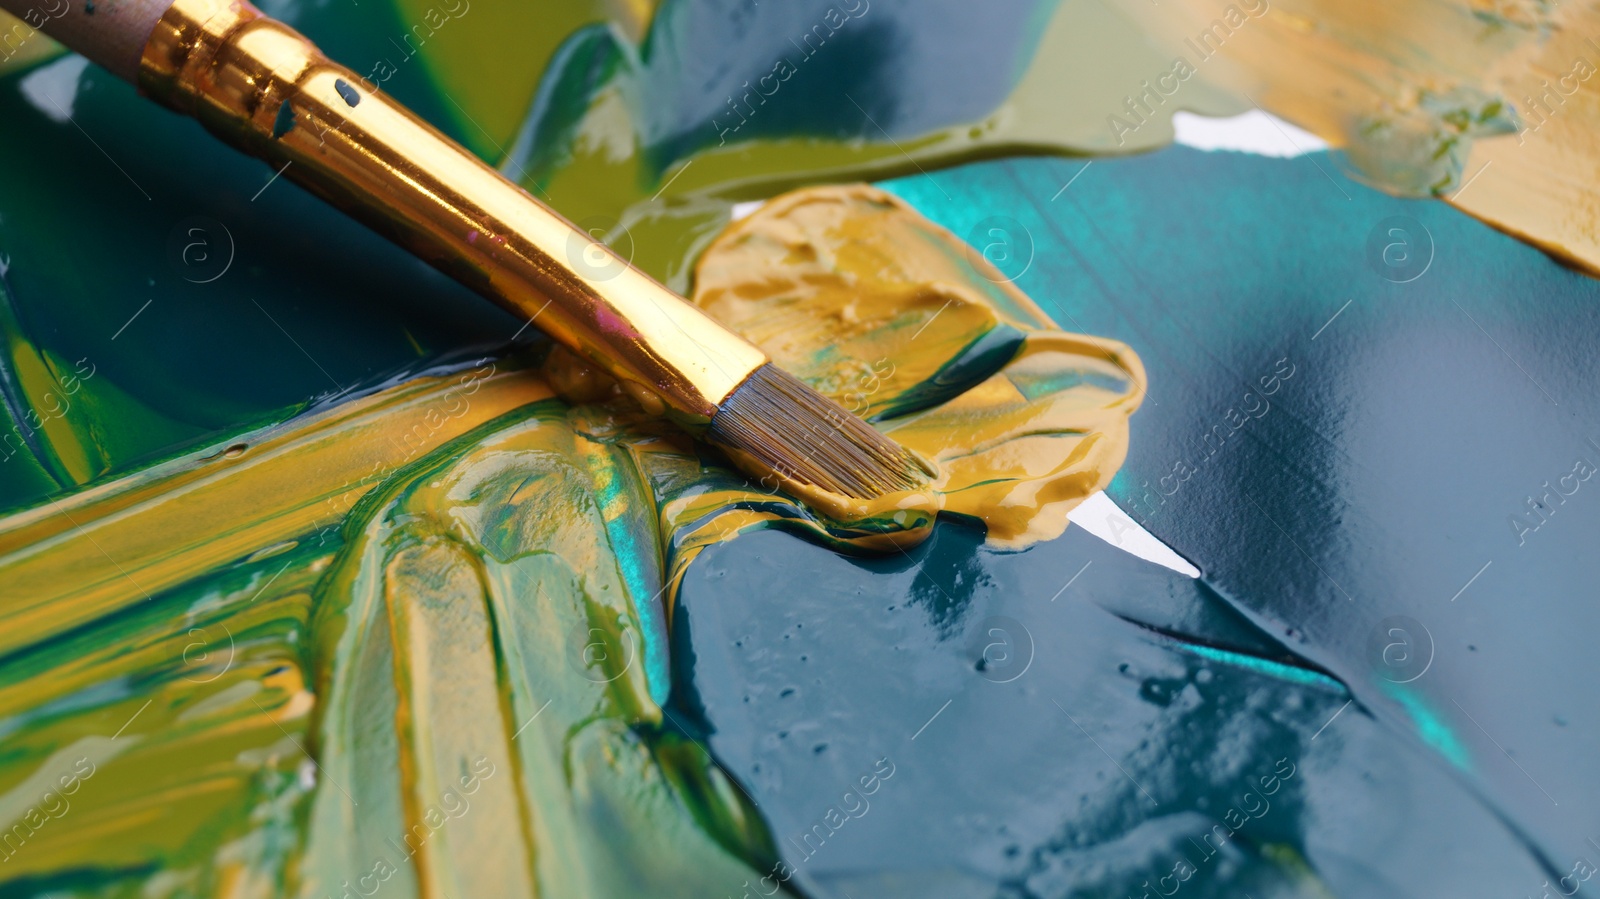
[230, 673]
[419, 638]
[396, 595]
[407, 643]
[893, 317]
[1364, 457]
[1491, 105]
[205, 302]
[657, 123]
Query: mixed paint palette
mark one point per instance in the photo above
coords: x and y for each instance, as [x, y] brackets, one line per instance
[1258, 561]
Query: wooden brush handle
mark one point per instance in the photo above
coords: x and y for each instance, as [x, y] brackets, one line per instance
[111, 33]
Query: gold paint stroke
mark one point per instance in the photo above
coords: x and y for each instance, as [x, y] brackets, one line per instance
[418, 640]
[852, 290]
[76, 559]
[1492, 105]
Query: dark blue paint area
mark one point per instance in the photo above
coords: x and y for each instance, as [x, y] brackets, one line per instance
[977, 362]
[1053, 743]
[1389, 471]
[730, 70]
[205, 288]
[347, 93]
[284, 122]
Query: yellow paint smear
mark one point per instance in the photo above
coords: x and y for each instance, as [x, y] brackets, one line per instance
[853, 291]
[419, 640]
[72, 560]
[1491, 104]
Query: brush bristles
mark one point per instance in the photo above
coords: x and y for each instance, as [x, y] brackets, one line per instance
[797, 432]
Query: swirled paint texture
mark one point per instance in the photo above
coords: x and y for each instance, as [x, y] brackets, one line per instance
[850, 289]
[419, 639]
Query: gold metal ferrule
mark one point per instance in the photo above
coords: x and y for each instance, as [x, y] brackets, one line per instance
[267, 90]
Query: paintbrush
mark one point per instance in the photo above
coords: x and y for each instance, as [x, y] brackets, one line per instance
[265, 89]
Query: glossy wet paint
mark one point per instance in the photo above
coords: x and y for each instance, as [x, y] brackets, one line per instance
[1342, 441]
[1369, 512]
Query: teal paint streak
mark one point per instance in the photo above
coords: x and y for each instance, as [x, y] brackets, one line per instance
[979, 360]
[1383, 474]
[1277, 670]
[639, 576]
[1430, 726]
[631, 533]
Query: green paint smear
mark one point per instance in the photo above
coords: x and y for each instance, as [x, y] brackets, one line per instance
[234, 304]
[491, 611]
[207, 782]
[987, 354]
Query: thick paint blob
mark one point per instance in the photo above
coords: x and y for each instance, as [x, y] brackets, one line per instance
[339, 584]
[209, 299]
[850, 289]
[1370, 424]
[471, 582]
[267, 639]
[1492, 106]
